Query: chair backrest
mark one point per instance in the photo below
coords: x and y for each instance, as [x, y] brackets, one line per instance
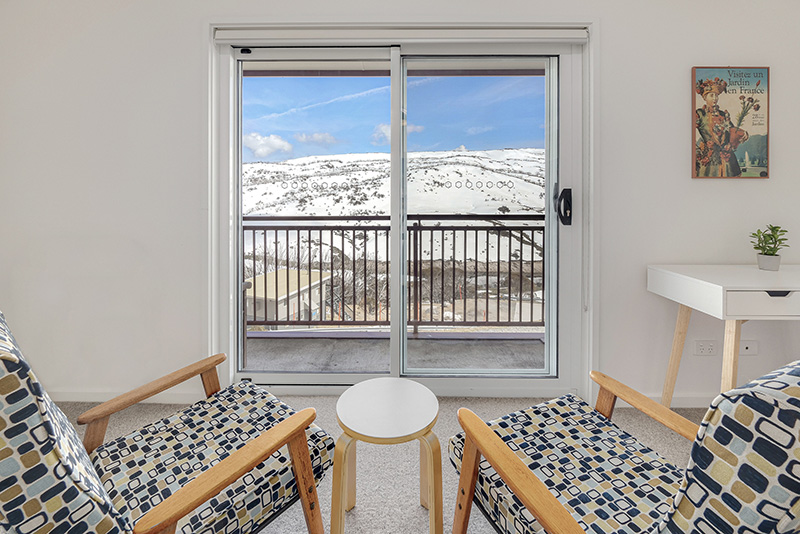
[46, 478]
[744, 472]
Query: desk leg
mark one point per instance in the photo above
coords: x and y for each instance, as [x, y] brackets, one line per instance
[730, 354]
[343, 492]
[432, 465]
[678, 340]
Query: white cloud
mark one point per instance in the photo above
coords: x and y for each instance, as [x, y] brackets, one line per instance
[264, 146]
[382, 133]
[475, 130]
[318, 138]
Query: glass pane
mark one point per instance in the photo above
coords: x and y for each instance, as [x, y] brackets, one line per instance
[315, 204]
[475, 139]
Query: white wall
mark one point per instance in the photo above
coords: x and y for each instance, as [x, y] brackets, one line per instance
[104, 166]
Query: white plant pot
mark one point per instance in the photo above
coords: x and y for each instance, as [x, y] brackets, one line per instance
[769, 263]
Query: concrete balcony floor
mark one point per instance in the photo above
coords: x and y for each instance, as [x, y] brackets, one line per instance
[366, 355]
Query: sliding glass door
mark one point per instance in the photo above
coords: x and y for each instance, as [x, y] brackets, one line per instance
[315, 213]
[476, 182]
[396, 214]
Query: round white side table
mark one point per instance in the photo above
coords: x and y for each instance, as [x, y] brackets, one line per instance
[387, 411]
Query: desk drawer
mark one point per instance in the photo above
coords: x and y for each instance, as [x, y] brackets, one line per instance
[761, 303]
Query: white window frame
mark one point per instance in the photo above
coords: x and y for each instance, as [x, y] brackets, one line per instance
[575, 323]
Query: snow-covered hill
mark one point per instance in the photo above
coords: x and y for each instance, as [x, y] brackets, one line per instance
[492, 181]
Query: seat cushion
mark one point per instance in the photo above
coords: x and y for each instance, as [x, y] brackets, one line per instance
[143, 468]
[607, 479]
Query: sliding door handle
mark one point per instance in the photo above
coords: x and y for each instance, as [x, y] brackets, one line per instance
[564, 207]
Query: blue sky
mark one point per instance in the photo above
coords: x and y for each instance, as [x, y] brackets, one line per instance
[291, 117]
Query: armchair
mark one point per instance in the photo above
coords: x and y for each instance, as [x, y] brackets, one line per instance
[228, 463]
[565, 468]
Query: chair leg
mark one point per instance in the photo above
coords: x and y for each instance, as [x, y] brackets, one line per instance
[470, 461]
[306, 486]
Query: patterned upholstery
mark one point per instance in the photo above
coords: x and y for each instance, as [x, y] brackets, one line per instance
[744, 472]
[743, 476]
[140, 469]
[49, 485]
[608, 480]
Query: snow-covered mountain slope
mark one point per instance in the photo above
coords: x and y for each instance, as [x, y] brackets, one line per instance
[491, 181]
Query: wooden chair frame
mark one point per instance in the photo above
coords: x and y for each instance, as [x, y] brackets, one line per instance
[480, 440]
[163, 518]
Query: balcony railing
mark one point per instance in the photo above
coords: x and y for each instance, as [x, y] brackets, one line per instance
[463, 270]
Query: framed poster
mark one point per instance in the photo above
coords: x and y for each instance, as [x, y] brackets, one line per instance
[730, 113]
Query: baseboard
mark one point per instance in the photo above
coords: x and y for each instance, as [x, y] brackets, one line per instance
[440, 389]
[688, 401]
[691, 400]
[695, 400]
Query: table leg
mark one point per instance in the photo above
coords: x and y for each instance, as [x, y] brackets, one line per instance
[350, 502]
[678, 340]
[342, 471]
[424, 475]
[730, 354]
[433, 467]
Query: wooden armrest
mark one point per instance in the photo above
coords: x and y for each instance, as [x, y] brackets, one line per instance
[97, 417]
[164, 517]
[150, 389]
[481, 440]
[610, 389]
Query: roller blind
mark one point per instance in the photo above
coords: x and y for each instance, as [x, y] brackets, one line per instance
[325, 35]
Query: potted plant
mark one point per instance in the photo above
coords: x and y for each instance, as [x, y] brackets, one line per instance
[768, 242]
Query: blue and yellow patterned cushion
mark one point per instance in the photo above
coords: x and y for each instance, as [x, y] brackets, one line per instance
[141, 469]
[47, 483]
[607, 479]
[744, 472]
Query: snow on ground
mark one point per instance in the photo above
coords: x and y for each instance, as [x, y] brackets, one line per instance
[491, 181]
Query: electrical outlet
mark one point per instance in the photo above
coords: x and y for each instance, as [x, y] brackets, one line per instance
[748, 347]
[707, 347]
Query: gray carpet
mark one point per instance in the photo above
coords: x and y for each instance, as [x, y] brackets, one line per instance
[387, 497]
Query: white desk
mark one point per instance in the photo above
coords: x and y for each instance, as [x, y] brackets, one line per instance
[732, 293]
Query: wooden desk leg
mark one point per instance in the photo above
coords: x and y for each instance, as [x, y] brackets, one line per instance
[433, 465]
[730, 354]
[678, 340]
[340, 496]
